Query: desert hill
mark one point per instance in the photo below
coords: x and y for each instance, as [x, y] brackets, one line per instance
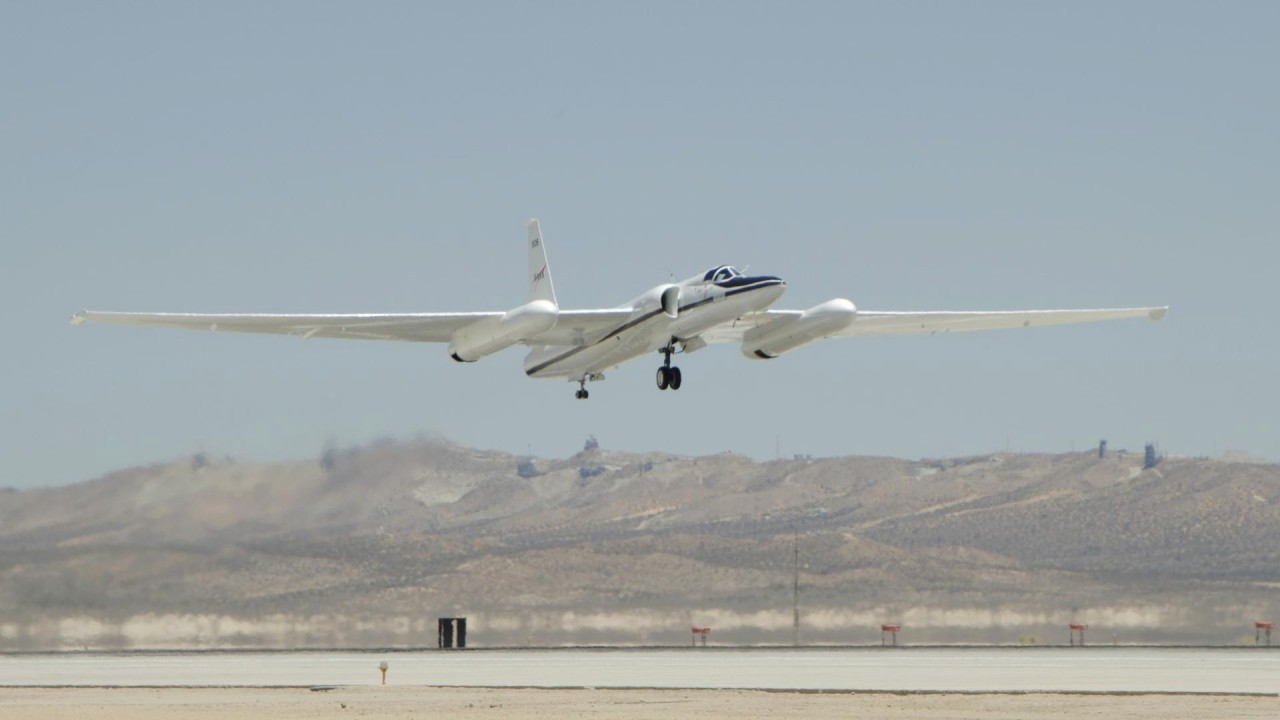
[369, 545]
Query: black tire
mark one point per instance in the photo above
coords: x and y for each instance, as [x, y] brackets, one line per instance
[585, 394]
[674, 381]
[664, 378]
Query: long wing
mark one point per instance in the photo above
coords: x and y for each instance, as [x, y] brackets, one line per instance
[410, 327]
[875, 322]
[406, 327]
[928, 323]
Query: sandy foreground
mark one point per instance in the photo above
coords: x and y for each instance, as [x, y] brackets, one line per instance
[425, 702]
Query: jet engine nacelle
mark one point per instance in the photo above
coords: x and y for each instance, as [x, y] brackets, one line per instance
[778, 336]
[670, 299]
[488, 336]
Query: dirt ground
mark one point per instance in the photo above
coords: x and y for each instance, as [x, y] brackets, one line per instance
[497, 704]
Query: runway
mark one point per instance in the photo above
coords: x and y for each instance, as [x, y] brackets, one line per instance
[1096, 670]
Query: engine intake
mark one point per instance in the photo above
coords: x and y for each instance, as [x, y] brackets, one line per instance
[671, 301]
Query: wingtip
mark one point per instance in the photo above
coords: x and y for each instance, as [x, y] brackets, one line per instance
[79, 318]
[1158, 313]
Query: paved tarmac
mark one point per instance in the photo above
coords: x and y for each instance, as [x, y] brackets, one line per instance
[1090, 669]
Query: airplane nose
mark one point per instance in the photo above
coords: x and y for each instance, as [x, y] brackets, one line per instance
[773, 287]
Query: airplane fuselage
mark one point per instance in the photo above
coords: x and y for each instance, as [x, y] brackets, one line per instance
[703, 303]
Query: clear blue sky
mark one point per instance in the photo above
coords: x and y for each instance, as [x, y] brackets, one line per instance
[341, 157]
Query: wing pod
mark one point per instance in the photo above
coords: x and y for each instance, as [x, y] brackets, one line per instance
[485, 337]
[770, 340]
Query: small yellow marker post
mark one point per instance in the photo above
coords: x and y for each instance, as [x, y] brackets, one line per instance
[383, 668]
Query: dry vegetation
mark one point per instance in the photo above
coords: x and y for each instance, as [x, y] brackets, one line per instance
[368, 546]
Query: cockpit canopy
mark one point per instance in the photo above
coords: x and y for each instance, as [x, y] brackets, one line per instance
[721, 274]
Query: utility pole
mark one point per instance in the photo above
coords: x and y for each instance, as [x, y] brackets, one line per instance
[795, 594]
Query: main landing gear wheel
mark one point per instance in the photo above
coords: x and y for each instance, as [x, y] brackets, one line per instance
[582, 393]
[668, 376]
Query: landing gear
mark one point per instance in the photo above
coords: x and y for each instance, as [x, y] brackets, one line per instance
[582, 393]
[668, 376]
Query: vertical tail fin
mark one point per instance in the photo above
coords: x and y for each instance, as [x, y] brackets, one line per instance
[540, 287]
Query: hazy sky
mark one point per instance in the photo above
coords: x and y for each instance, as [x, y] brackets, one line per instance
[344, 157]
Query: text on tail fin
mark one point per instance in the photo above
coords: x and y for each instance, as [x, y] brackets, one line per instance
[540, 285]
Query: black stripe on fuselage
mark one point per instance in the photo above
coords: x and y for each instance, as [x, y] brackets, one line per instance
[740, 280]
[759, 283]
[621, 329]
[643, 318]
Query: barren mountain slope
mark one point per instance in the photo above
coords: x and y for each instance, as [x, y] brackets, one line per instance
[432, 528]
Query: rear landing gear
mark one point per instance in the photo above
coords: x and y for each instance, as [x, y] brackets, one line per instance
[582, 393]
[668, 376]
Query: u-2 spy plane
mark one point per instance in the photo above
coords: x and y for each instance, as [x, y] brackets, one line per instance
[719, 306]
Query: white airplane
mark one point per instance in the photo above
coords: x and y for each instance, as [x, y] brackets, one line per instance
[718, 306]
